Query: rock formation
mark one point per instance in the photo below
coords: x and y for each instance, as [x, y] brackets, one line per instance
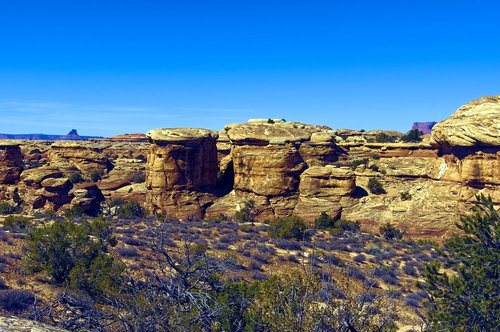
[268, 158]
[181, 171]
[283, 168]
[476, 124]
[11, 162]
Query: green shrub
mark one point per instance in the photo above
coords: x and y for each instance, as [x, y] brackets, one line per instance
[413, 136]
[74, 212]
[74, 254]
[17, 223]
[468, 300]
[245, 214]
[6, 208]
[405, 195]
[383, 138]
[348, 225]
[390, 232]
[75, 177]
[324, 221]
[287, 228]
[375, 187]
[374, 168]
[95, 176]
[358, 162]
[129, 210]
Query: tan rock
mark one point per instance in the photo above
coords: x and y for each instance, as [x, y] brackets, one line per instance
[182, 165]
[11, 162]
[474, 124]
[263, 133]
[83, 156]
[324, 189]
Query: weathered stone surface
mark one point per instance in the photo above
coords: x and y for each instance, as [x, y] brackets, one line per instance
[11, 162]
[87, 196]
[182, 165]
[15, 324]
[474, 124]
[87, 159]
[324, 189]
[181, 135]
[271, 170]
[35, 176]
[263, 133]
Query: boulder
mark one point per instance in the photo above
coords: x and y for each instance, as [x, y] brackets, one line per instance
[476, 124]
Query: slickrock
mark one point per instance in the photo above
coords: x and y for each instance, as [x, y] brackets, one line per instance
[476, 124]
[15, 324]
[181, 169]
[11, 162]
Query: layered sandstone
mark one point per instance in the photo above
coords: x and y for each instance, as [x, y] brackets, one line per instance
[476, 124]
[268, 158]
[11, 162]
[87, 159]
[181, 170]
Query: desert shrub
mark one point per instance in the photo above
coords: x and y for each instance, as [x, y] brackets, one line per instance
[374, 168]
[131, 241]
[293, 259]
[288, 245]
[74, 212]
[287, 228]
[127, 251]
[3, 285]
[405, 195]
[358, 162]
[261, 258]
[324, 221]
[95, 176]
[412, 136]
[468, 300]
[383, 138]
[245, 214]
[410, 269]
[6, 208]
[75, 177]
[75, 254]
[359, 258]
[356, 273]
[228, 238]
[253, 265]
[262, 248]
[129, 210]
[17, 223]
[16, 299]
[375, 187]
[348, 225]
[367, 297]
[390, 232]
[138, 178]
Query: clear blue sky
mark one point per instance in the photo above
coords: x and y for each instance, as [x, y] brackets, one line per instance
[111, 67]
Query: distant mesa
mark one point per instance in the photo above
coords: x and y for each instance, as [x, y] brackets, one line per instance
[71, 136]
[424, 127]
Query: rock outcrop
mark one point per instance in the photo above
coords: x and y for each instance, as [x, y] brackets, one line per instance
[181, 171]
[268, 158]
[476, 124]
[11, 162]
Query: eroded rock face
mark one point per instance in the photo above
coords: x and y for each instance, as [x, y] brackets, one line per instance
[325, 189]
[268, 158]
[11, 162]
[87, 159]
[15, 324]
[476, 124]
[181, 170]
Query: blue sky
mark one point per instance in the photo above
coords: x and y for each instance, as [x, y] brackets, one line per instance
[111, 67]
